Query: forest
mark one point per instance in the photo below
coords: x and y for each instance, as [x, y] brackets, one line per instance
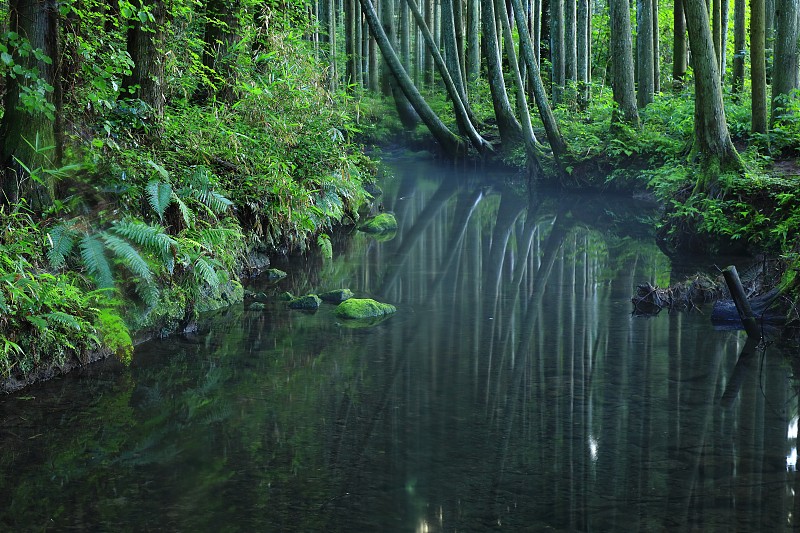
[153, 152]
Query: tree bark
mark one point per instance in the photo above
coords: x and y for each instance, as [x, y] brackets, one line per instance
[622, 81]
[644, 53]
[557, 49]
[25, 133]
[739, 52]
[656, 51]
[473, 40]
[679, 48]
[758, 71]
[570, 49]
[508, 126]
[786, 78]
[451, 144]
[146, 48]
[713, 147]
[584, 37]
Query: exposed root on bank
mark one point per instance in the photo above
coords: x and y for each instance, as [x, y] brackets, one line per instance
[685, 296]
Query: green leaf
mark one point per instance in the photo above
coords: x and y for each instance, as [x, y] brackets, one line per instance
[61, 240]
[92, 253]
[161, 170]
[159, 195]
[205, 272]
[129, 255]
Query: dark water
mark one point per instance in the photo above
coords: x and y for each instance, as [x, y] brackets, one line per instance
[512, 391]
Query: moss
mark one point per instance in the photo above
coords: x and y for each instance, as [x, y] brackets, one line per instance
[308, 302]
[274, 274]
[381, 224]
[360, 308]
[337, 296]
[221, 296]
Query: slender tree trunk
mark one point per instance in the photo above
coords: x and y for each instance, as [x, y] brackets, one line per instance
[510, 130]
[723, 61]
[451, 144]
[679, 48]
[787, 54]
[536, 27]
[450, 45]
[644, 53]
[473, 40]
[554, 137]
[557, 56]
[584, 57]
[350, 13]
[388, 12]
[25, 133]
[713, 146]
[570, 49]
[622, 81]
[460, 24]
[430, 6]
[758, 72]
[716, 28]
[769, 35]
[656, 51]
[739, 52]
[221, 33]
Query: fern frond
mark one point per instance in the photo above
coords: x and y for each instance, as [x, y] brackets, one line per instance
[215, 237]
[186, 212]
[216, 202]
[128, 255]
[62, 240]
[161, 170]
[148, 292]
[159, 195]
[152, 238]
[64, 319]
[204, 271]
[92, 253]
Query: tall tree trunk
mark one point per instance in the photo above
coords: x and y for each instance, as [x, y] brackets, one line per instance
[716, 29]
[25, 132]
[430, 7]
[531, 144]
[787, 54]
[473, 40]
[622, 82]
[350, 48]
[557, 56]
[758, 71]
[679, 48]
[450, 46]
[450, 143]
[221, 33]
[554, 137]
[536, 29]
[570, 49]
[769, 35]
[723, 54]
[644, 53]
[510, 130]
[146, 48]
[656, 51]
[712, 141]
[584, 57]
[739, 52]
[387, 13]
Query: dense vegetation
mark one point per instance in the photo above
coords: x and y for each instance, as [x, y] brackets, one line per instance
[149, 149]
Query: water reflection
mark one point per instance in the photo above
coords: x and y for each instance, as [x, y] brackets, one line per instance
[513, 390]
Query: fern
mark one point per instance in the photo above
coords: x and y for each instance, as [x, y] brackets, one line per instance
[64, 319]
[151, 237]
[128, 254]
[187, 214]
[62, 240]
[159, 195]
[325, 246]
[92, 253]
[148, 292]
[204, 271]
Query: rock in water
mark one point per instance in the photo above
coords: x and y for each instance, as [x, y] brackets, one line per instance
[358, 308]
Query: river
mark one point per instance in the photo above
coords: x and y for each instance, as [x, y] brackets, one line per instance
[513, 390]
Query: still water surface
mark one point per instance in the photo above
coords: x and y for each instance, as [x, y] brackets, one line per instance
[513, 390]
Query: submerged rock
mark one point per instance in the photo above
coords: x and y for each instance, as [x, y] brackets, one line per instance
[286, 296]
[309, 302]
[361, 308]
[337, 296]
[381, 224]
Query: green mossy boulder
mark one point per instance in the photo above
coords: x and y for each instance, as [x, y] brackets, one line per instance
[274, 274]
[258, 306]
[286, 296]
[379, 225]
[361, 308]
[337, 296]
[309, 302]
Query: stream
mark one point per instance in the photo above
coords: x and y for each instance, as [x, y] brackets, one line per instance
[513, 390]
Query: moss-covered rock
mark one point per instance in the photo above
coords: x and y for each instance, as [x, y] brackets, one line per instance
[286, 296]
[274, 274]
[361, 308]
[337, 296]
[309, 302]
[381, 224]
[258, 306]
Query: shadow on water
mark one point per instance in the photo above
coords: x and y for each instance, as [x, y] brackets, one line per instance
[512, 390]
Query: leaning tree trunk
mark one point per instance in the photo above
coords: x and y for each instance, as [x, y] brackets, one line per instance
[146, 48]
[787, 54]
[509, 129]
[25, 133]
[758, 70]
[622, 82]
[712, 141]
[554, 137]
[451, 144]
